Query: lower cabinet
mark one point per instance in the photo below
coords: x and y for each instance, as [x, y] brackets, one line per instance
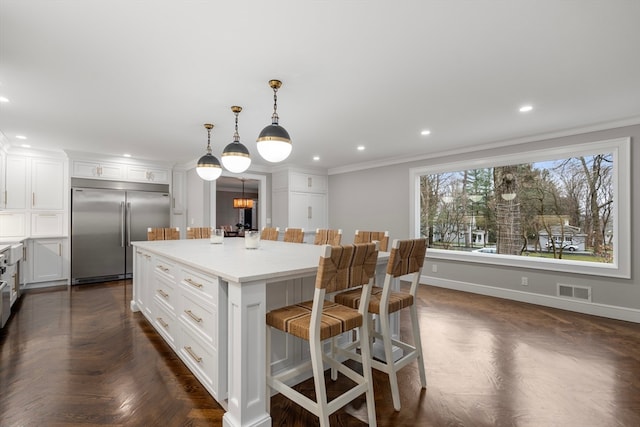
[189, 310]
[182, 305]
[46, 260]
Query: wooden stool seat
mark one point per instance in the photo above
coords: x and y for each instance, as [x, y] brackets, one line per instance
[397, 300]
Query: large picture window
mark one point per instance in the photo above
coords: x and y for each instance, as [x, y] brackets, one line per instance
[564, 209]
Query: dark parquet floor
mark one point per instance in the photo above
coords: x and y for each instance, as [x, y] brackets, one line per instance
[80, 357]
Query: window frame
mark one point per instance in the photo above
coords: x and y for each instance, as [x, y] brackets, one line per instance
[620, 148]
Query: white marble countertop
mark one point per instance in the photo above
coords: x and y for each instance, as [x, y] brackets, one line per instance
[233, 262]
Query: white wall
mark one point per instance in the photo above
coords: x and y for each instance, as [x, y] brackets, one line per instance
[378, 199]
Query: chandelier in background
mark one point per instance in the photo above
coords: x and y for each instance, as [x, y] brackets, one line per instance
[243, 202]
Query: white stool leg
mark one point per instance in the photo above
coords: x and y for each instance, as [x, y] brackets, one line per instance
[385, 329]
[365, 348]
[417, 341]
[318, 379]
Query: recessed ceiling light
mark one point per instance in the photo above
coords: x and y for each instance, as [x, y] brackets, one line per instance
[360, 147]
[526, 108]
[3, 99]
[316, 158]
[425, 132]
[127, 155]
[25, 145]
[21, 137]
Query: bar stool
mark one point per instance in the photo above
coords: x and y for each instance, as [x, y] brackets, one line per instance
[407, 257]
[340, 268]
[160, 233]
[269, 233]
[370, 236]
[293, 235]
[327, 237]
[198, 232]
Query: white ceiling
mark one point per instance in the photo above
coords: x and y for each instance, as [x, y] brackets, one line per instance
[143, 77]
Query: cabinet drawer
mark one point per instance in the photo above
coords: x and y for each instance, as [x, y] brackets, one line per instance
[165, 293]
[165, 323]
[203, 362]
[205, 286]
[200, 315]
[165, 268]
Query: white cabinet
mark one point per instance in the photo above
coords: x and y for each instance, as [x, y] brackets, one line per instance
[307, 182]
[16, 179]
[13, 224]
[101, 170]
[33, 196]
[299, 200]
[178, 192]
[307, 210]
[119, 171]
[148, 174]
[46, 259]
[141, 280]
[47, 184]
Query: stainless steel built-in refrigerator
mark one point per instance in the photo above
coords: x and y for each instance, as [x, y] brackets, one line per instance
[106, 216]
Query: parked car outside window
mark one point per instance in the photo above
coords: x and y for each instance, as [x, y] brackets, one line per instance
[566, 245]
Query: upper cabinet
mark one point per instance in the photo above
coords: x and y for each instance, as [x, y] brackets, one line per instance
[307, 183]
[33, 183]
[120, 171]
[47, 184]
[100, 170]
[299, 200]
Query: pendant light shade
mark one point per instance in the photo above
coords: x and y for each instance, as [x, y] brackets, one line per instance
[208, 167]
[274, 143]
[235, 157]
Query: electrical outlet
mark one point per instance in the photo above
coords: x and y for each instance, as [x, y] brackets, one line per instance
[524, 281]
[434, 268]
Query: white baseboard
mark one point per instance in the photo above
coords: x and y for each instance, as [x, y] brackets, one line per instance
[595, 309]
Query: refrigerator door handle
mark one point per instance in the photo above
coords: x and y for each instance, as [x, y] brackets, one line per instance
[122, 215]
[128, 224]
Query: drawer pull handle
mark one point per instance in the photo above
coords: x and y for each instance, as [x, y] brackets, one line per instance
[193, 316]
[163, 268]
[192, 283]
[192, 354]
[163, 323]
[163, 293]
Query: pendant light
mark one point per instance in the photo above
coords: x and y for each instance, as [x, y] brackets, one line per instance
[274, 143]
[242, 203]
[235, 157]
[208, 167]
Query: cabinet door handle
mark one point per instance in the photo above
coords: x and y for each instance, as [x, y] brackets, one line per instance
[24, 254]
[5, 197]
[163, 293]
[192, 283]
[162, 322]
[33, 200]
[59, 249]
[193, 316]
[192, 354]
[309, 182]
[309, 212]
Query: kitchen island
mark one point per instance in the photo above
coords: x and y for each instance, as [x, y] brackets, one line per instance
[209, 301]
